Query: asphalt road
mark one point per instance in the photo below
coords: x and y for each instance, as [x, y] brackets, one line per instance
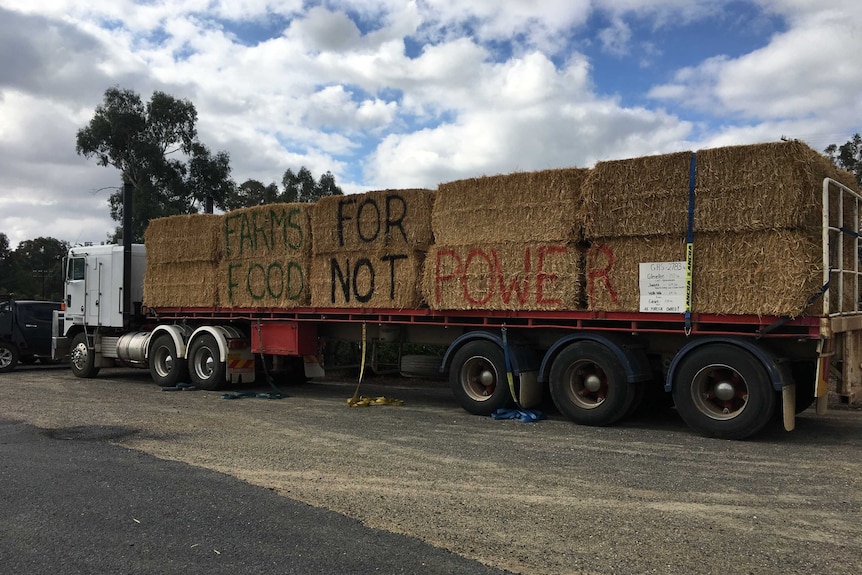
[72, 503]
[112, 475]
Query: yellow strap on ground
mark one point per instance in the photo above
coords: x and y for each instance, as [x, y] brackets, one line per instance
[363, 401]
[360, 400]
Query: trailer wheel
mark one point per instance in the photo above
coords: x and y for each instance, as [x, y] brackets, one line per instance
[723, 391]
[81, 358]
[589, 386]
[8, 357]
[206, 369]
[478, 378]
[166, 368]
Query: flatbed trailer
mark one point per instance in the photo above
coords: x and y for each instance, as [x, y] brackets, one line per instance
[728, 375]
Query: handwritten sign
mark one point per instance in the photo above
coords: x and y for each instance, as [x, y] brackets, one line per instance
[662, 287]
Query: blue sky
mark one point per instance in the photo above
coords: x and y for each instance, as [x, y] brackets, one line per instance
[400, 93]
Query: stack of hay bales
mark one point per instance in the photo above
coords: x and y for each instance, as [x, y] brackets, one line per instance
[757, 246]
[506, 242]
[182, 261]
[266, 256]
[369, 249]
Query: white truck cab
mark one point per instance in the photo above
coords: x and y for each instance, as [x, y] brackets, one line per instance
[94, 285]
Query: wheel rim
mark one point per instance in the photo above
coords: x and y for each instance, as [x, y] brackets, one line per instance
[5, 357]
[586, 384]
[479, 378]
[163, 361]
[78, 356]
[720, 392]
[204, 363]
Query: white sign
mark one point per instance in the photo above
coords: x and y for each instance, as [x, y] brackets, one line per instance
[662, 287]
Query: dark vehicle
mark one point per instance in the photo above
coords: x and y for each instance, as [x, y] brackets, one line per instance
[25, 332]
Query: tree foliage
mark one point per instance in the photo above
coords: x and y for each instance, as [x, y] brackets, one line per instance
[848, 156]
[296, 187]
[34, 270]
[156, 148]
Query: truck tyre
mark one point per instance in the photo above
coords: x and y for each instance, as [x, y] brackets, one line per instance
[207, 371]
[723, 391]
[8, 356]
[81, 358]
[589, 386]
[166, 368]
[478, 378]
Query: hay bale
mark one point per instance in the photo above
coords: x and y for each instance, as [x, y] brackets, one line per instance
[387, 219]
[187, 238]
[637, 197]
[181, 284]
[760, 187]
[266, 256]
[182, 255]
[737, 188]
[367, 279]
[277, 282]
[267, 231]
[770, 273]
[520, 207]
[503, 276]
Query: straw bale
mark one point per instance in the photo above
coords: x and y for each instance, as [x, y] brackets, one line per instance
[751, 273]
[640, 196]
[270, 282]
[737, 188]
[186, 238]
[267, 231]
[386, 219]
[520, 207]
[181, 284]
[367, 279]
[765, 186]
[503, 276]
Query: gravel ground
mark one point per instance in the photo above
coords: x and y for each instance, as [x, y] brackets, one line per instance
[646, 496]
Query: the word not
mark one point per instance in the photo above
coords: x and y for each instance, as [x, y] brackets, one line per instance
[360, 283]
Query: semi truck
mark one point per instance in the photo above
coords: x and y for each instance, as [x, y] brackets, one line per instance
[728, 375]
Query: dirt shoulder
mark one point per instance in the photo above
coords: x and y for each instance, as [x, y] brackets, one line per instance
[647, 496]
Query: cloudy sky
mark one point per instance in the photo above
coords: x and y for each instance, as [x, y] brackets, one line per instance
[401, 93]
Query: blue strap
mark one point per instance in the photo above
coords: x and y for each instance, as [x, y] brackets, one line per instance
[522, 415]
[689, 246]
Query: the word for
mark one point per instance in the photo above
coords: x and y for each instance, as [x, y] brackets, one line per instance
[365, 218]
[451, 268]
[259, 231]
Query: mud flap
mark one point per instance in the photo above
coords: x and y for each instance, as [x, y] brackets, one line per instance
[788, 406]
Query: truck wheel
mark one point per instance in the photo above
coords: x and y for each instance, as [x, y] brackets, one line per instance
[8, 357]
[81, 359]
[723, 391]
[589, 385]
[478, 378]
[166, 368]
[205, 368]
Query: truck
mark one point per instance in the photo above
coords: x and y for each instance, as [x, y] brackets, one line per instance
[728, 375]
[25, 332]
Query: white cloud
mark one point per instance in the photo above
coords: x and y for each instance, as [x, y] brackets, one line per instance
[802, 73]
[389, 93]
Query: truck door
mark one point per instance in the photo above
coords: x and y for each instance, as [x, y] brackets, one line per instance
[76, 289]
